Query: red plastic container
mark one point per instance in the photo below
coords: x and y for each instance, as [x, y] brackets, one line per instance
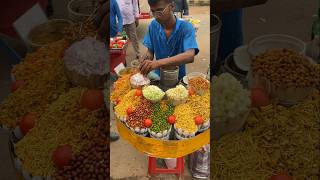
[144, 16]
[117, 57]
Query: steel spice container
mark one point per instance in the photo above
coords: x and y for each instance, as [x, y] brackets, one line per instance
[169, 77]
[215, 24]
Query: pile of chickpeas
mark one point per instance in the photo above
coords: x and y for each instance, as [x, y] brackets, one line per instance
[286, 67]
[93, 160]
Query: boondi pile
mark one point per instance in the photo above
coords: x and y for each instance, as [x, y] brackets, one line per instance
[284, 67]
[185, 118]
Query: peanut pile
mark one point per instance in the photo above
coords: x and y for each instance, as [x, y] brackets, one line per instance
[286, 67]
[142, 112]
[93, 160]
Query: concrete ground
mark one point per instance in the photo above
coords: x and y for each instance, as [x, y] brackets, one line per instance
[125, 160]
[280, 17]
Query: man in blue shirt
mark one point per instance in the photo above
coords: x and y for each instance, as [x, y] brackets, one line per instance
[115, 19]
[171, 40]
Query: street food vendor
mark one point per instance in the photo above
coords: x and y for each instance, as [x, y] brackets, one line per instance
[169, 39]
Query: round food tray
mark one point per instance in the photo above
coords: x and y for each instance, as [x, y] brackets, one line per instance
[163, 148]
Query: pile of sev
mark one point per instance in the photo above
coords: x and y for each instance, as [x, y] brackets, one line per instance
[63, 122]
[121, 87]
[36, 63]
[43, 87]
[199, 83]
[201, 105]
[275, 139]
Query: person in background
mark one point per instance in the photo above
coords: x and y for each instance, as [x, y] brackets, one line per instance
[130, 15]
[230, 13]
[182, 6]
[170, 39]
[115, 19]
[231, 32]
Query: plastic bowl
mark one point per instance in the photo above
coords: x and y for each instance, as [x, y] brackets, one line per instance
[47, 32]
[275, 41]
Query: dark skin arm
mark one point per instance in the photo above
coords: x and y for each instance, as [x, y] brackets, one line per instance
[183, 58]
[220, 6]
[149, 55]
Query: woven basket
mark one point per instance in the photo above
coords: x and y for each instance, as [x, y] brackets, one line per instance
[45, 30]
[80, 10]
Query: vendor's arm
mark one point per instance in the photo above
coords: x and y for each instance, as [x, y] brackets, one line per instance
[149, 55]
[220, 6]
[183, 58]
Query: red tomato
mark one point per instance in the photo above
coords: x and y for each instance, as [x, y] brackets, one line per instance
[198, 120]
[259, 97]
[118, 101]
[16, 85]
[120, 45]
[281, 176]
[172, 119]
[92, 99]
[27, 122]
[147, 123]
[138, 92]
[121, 42]
[129, 110]
[191, 92]
[62, 156]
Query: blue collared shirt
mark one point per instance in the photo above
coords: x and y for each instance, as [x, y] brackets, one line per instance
[182, 38]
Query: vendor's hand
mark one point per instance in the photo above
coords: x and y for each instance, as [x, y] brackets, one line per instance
[102, 18]
[137, 22]
[147, 65]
